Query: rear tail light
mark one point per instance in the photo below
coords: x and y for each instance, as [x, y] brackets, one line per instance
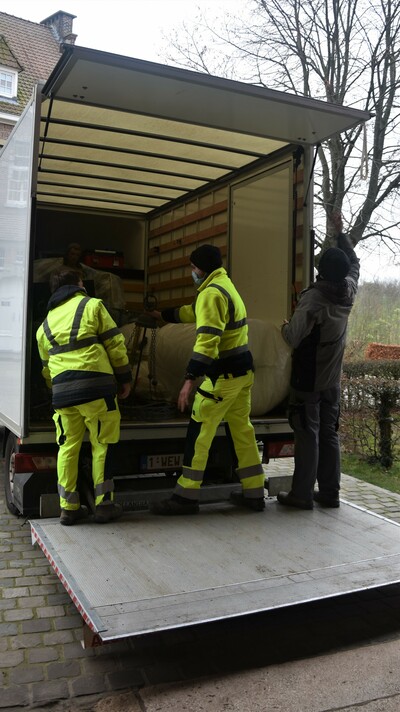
[25, 462]
[280, 449]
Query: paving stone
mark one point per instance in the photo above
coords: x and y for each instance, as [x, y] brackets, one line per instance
[16, 561]
[88, 685]
[26, 673]
[56, 599]
[69, 668]
[36, 626]
[48, 691]
[16, 592]
[43, 655]
[42, 590]
[27, 581]
[69, 622]
[9, 574]
[35, 571]
[75, 650]
[7, 604]
[11, 557]
[57, 637]
[20, 547]
[33, 553]
[10, 658]
[18, 614]
[32, 602]
[50, 611]
[14, 696]
[22, 642]
[8, 629]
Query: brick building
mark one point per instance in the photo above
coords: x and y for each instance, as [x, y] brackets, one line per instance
[28, 53]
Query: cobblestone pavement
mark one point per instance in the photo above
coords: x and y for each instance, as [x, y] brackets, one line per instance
[376, 499]
[42, 662]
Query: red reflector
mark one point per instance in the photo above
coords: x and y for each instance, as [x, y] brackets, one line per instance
[281, 449]
[25, 462]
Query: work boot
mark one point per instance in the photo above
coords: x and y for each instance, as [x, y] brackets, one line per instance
[288, 499]
[71, 516]
[107, 512]
[256, 504]
[325, 500]
[175, 505]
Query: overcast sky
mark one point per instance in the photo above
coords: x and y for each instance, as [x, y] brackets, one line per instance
[135, 28]
[130, 27]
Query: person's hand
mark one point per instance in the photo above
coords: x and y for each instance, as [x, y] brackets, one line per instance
[184, 395]
[124, 390]
[337, 222]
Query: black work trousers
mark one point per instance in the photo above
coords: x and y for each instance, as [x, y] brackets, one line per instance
[314, 418]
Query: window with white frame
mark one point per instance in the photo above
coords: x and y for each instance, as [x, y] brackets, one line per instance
[8, 83]
[18, 175]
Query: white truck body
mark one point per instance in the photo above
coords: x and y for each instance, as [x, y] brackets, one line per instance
[150, 161]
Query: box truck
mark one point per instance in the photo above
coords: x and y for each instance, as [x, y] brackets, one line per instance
[140, 163]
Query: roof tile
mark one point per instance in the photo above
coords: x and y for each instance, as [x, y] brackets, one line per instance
[30, 47]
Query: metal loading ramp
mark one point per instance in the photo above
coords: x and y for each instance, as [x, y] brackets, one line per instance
[145, 573]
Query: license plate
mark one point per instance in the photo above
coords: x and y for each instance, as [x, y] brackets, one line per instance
[158, 463]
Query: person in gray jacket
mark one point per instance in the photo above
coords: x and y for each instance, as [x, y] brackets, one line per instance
[317, 335]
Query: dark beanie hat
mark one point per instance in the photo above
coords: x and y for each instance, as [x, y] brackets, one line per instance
[334, 265]
[207, 258]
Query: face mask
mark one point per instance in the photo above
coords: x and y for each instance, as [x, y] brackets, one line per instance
[196, 279]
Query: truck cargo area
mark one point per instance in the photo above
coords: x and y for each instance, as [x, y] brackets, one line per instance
[146, 573]
[140, 163]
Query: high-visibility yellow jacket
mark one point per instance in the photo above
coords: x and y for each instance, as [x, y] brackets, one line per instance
[82, 350]
[221, 328]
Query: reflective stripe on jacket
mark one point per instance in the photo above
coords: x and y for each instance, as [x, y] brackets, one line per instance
[82, 350]
[221, 327]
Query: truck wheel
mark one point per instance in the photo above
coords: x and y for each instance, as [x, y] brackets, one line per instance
[9, 472]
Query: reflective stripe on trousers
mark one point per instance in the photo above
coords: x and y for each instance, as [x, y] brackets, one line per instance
[228, 400]
[71, 423]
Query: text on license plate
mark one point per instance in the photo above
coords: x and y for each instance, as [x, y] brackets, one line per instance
[158, 463]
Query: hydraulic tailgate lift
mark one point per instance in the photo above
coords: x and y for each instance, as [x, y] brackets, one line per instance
[145, 573]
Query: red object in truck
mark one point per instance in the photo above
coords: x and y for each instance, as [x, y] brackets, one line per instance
[103, 259]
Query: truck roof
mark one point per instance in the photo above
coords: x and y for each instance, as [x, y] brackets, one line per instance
[123, 134]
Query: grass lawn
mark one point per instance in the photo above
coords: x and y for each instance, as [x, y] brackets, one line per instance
[375, 474]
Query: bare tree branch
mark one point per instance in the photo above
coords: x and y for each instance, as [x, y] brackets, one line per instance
[343, 51]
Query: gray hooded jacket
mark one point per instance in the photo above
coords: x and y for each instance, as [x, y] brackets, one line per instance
[317, 329]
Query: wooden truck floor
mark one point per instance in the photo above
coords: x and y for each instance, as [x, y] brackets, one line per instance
[147, 573]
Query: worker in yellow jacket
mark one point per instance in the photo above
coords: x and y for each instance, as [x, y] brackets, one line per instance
[221, 354]
[85, 363]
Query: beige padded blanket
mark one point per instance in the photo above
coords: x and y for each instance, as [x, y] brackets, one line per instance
[108, 286]
[272, 360]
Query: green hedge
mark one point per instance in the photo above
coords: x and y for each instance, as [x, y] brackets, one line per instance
[371, 409]
[380, 369]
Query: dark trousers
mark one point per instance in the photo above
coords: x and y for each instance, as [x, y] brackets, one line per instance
[314, 418]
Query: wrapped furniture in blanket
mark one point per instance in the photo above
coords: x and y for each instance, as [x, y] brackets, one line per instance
[272, 360]
[108, 286]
